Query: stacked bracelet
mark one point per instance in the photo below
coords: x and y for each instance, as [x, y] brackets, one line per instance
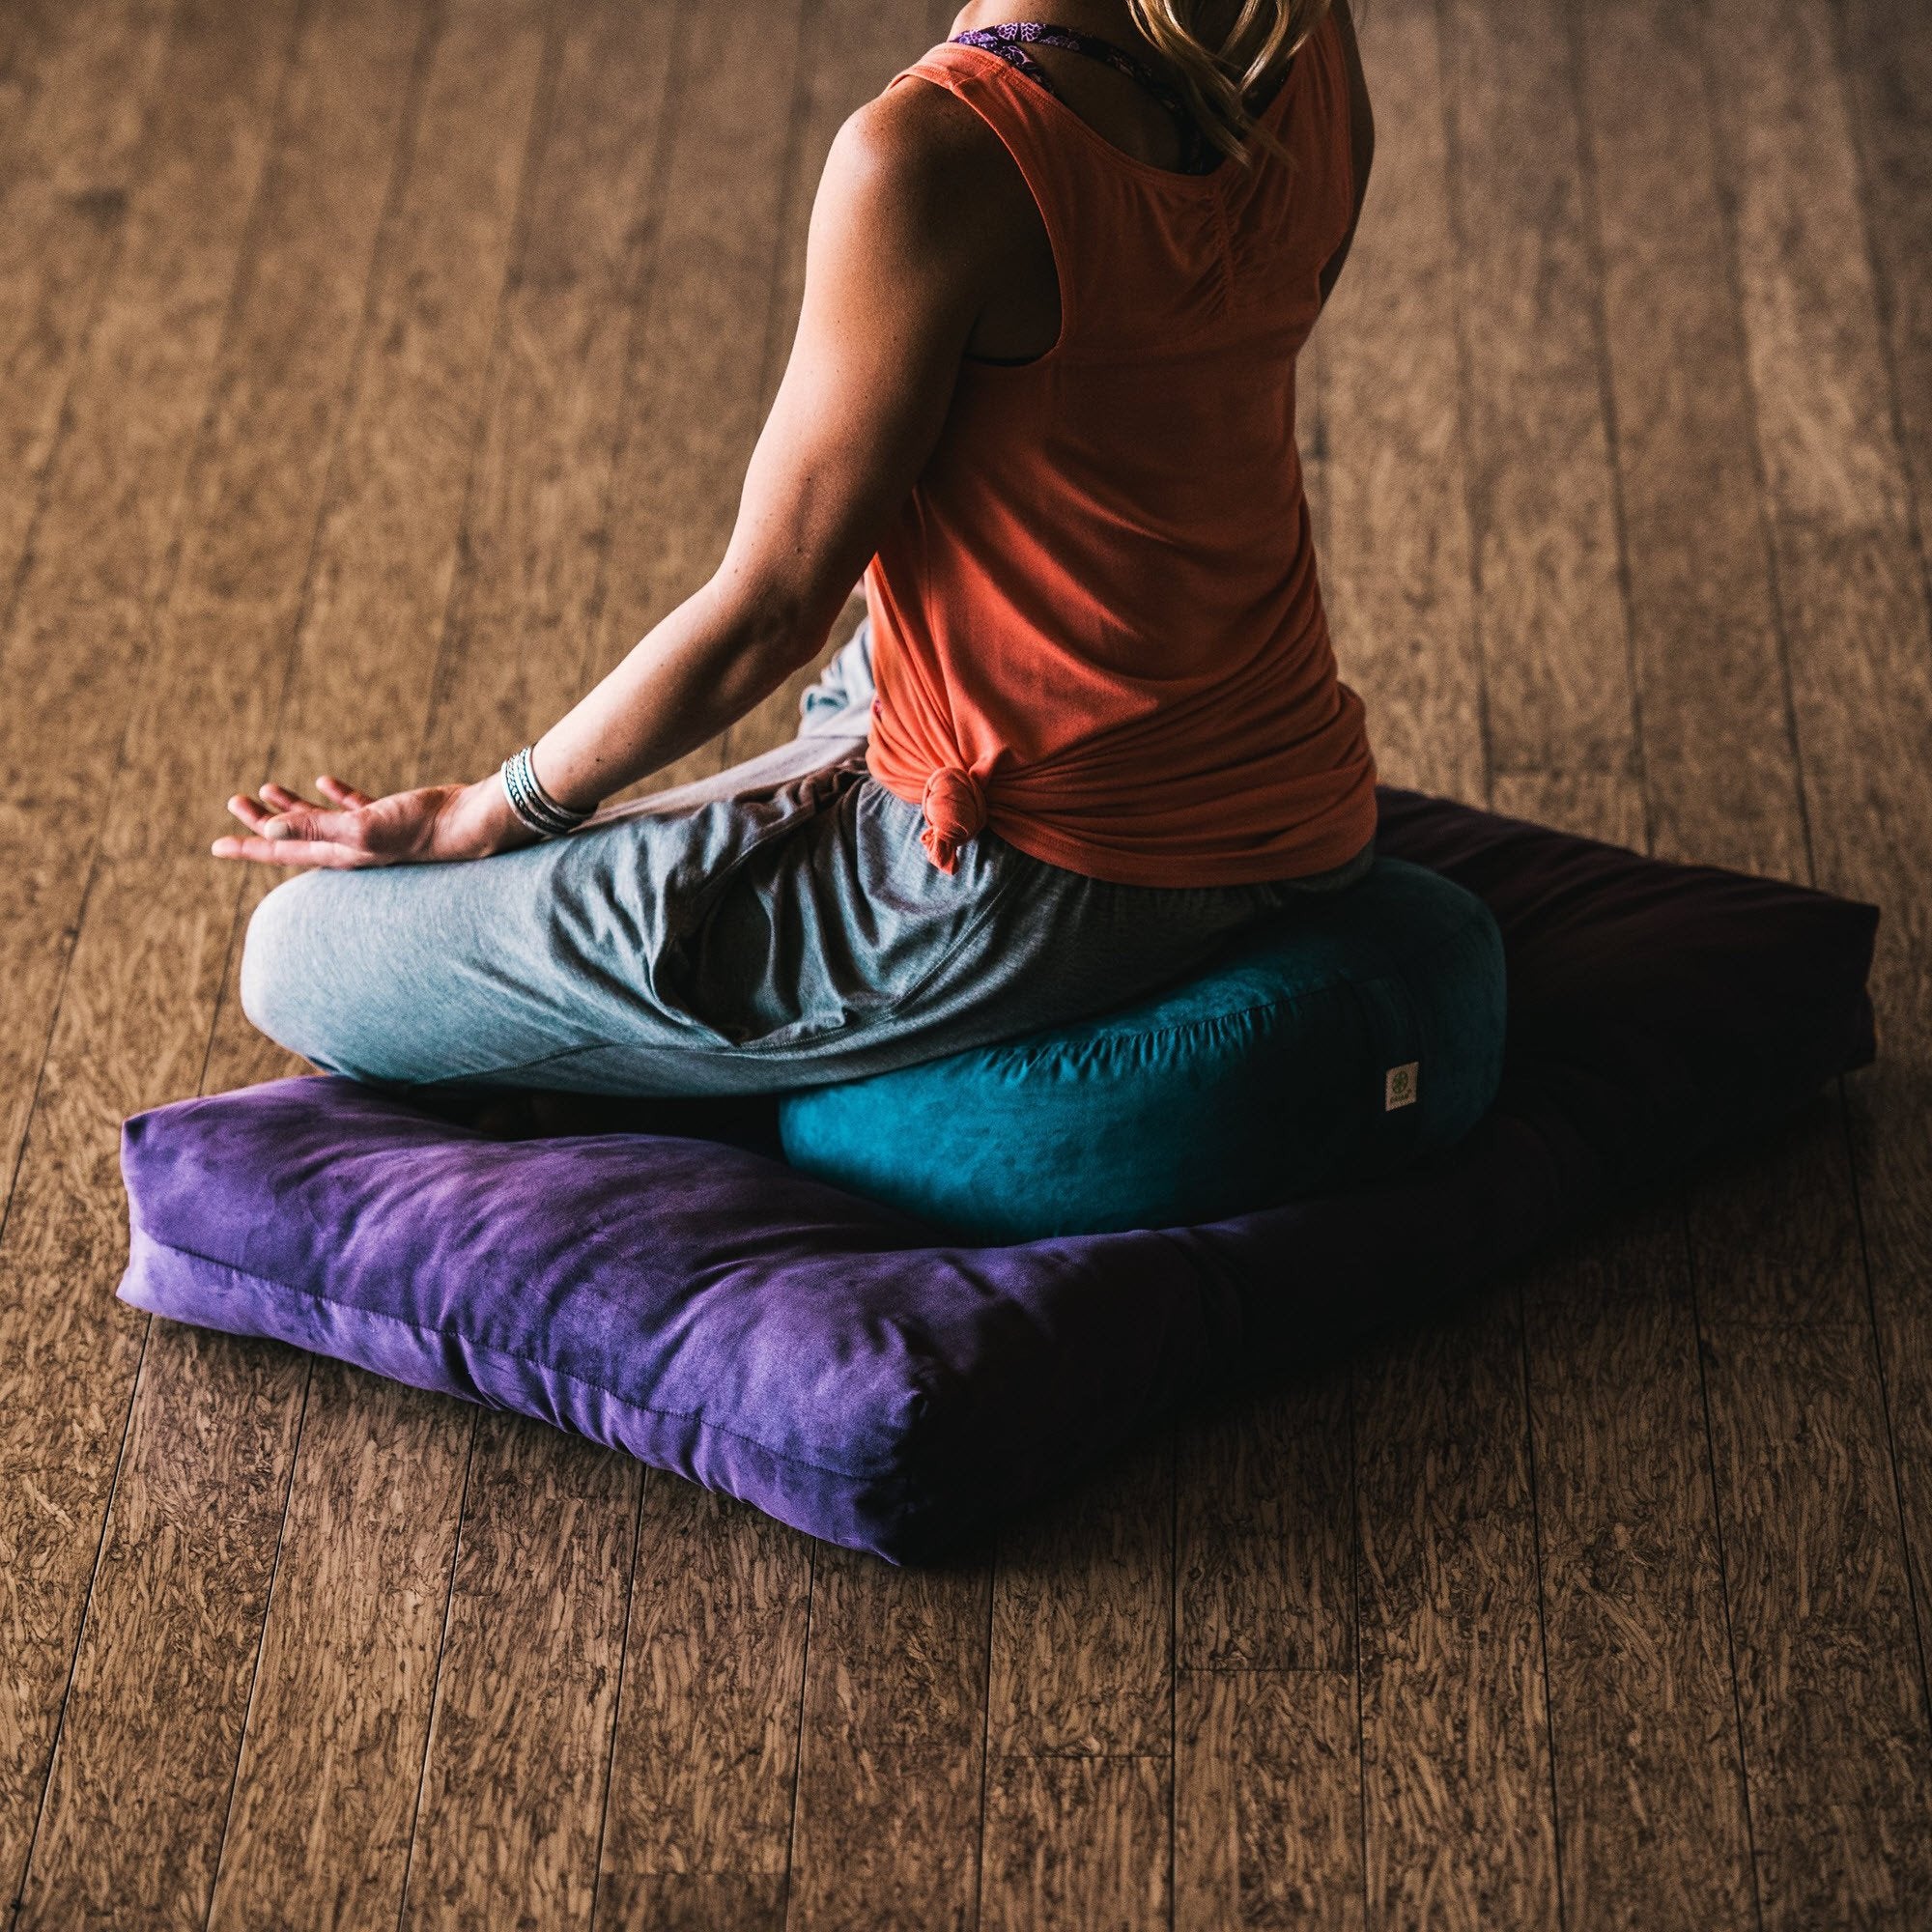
[531, 804]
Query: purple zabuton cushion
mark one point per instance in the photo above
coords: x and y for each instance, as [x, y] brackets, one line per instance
[712, 1311]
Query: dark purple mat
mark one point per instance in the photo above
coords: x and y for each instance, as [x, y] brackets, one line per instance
[697, 1302]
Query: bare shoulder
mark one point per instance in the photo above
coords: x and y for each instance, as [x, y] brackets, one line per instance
[918, 151]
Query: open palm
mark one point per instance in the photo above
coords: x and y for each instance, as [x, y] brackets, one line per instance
[350, 829]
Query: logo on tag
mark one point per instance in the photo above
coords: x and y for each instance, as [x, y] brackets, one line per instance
[1399, 1087]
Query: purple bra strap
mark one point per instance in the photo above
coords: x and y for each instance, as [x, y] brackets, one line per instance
[1009, 41]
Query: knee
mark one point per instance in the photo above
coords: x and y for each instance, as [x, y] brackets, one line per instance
[282, 967]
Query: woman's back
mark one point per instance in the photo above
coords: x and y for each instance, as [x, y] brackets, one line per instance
[1096, 621]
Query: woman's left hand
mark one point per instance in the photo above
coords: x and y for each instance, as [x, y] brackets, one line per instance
[431, 824]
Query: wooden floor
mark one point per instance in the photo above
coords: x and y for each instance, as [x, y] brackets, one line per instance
[372, 374]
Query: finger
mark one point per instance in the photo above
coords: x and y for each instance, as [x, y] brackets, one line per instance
[283, 799]
[347, 829]
[251, 811]
[309, 853]
[309, 822]
[338, 793]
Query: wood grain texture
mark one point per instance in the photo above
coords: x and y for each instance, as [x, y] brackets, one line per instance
[1382, 434]
[1542, 500]
[1653, 1819]
[697, 1826]
[1647, 1760]
[513, 1782]
[1266, 1533]
[527, 597]
[1268, 1800]
[70, 160]
[1082, 1637]
[110, 507]
[1821, 1629]
[1703, 609]
[1827, 1667]
[139, 1785]
[1080, 1713]
[1075, 1844]
[1886, 54]
[706, 331]
[1459, 1825]
[388, 529]
[326, 1786]
[133, 1021]
[890, 1772]
[1827, 1662]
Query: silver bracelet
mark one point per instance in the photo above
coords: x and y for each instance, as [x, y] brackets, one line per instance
[533, 806]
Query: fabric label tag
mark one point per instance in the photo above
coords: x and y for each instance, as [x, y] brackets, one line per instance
[1399, 1087]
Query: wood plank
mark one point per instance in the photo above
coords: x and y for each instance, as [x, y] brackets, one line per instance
[701, 370]
[890, 1773]
[326, 1785]
[119, 1046]
[1268, 1801]
[1638, 1668]
[1830, 1619]
[527, 1686]
[1703, 609]
[1828, 1672]
[527, 600]
[1267, 1773]
[66, 168]
[1082, 1643]
[1079, 1707]
[1076, 1842]
[1264, 1563]
[1829, 1680]
[1648, 1763]
[337, 1733]
[1886, 51]
[1631, 1585]
[1382, 444]
[1543, 503]
[1458, 1826]
[699, 1820]
[446, 201]
[112, 504]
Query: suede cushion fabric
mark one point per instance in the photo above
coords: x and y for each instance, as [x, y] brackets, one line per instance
[715, 1312]
[1332, 1043]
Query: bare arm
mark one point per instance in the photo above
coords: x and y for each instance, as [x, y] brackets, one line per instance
[890, 298]
[1361, 139]
[894, 280]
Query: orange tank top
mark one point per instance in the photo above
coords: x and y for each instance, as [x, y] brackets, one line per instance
[1096, 625]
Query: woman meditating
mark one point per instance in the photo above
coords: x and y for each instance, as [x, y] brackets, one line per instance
[1042, 398]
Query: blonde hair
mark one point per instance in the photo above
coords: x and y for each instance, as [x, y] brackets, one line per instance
[1218, 80]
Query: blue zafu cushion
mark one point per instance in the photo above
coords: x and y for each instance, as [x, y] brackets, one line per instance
[1332, 1042]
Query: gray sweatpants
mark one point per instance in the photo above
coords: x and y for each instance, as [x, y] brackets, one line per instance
[778, 925]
